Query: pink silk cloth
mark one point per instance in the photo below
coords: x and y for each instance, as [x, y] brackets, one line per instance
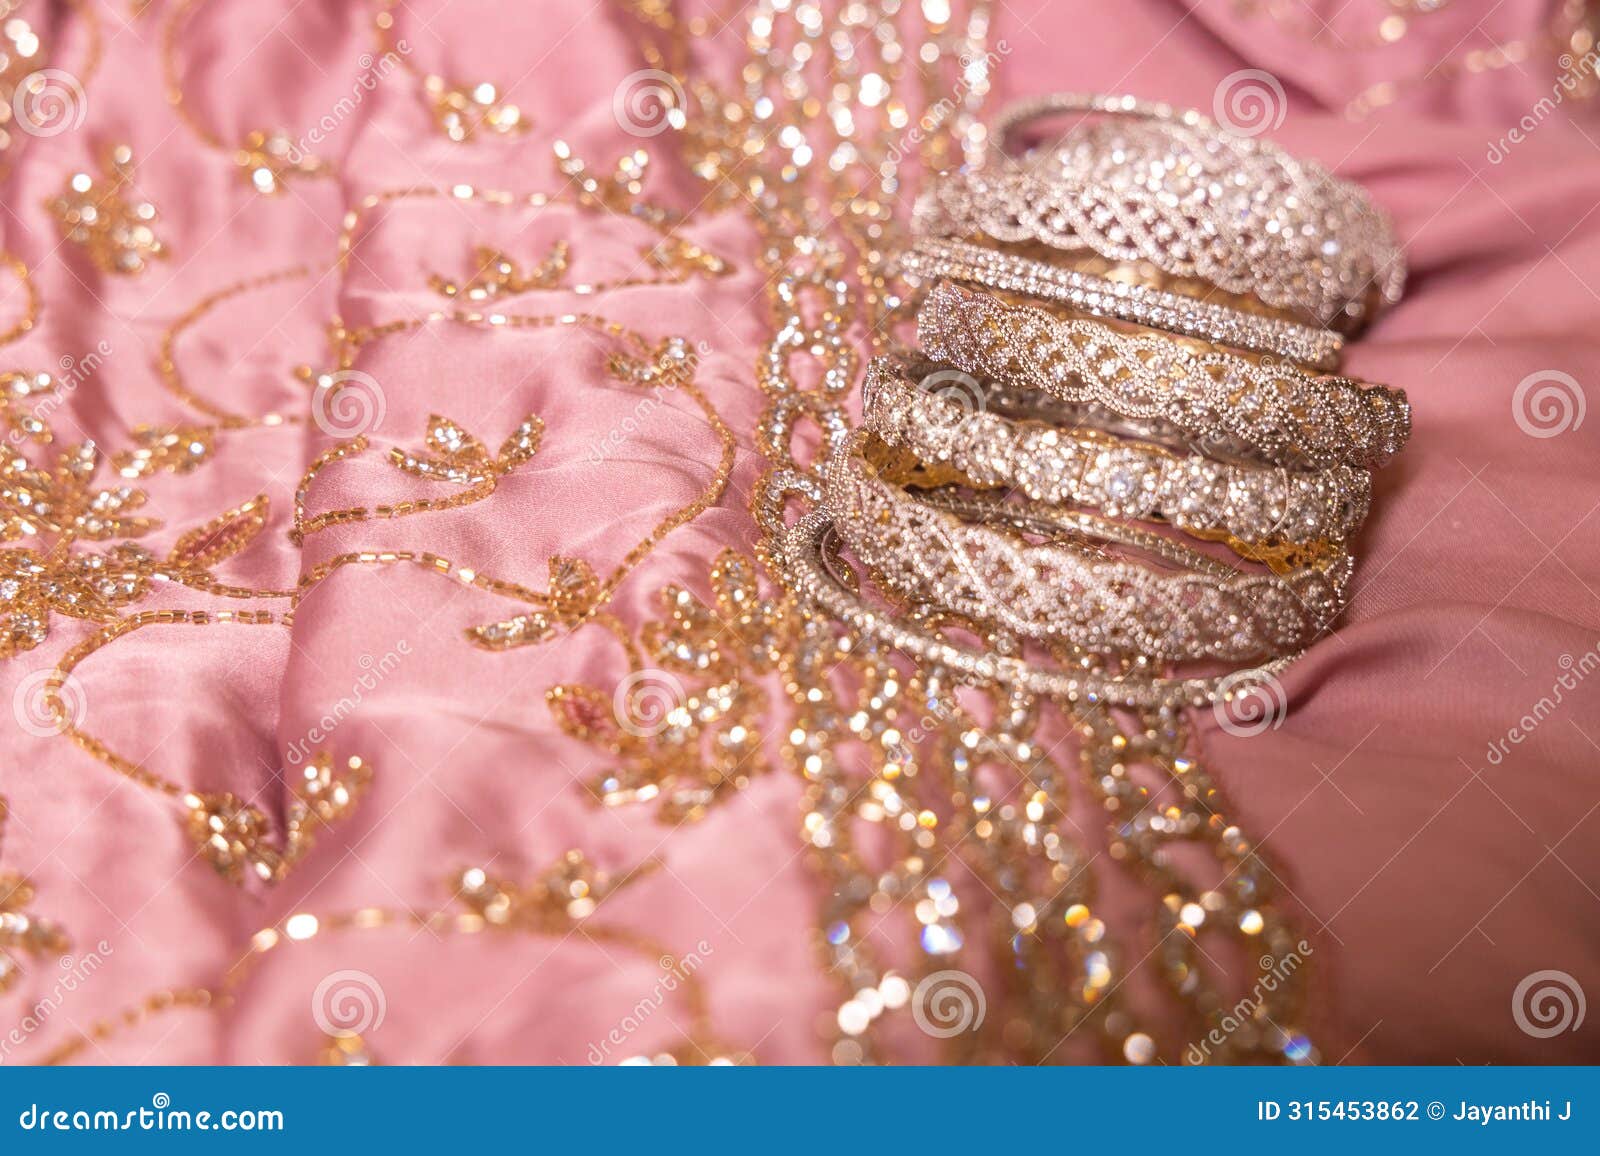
[1430, 876]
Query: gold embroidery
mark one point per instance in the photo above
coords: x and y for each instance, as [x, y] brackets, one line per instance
[22, 397]
[621, 194]
[105, 219]
[63, 501]
[690, 748]
[172, 375]
[172, 449]
[563, 901]
[460, 110]
[462, 460]
[238, 838]
[495, 275]
[30, 291]
[266, 157]
[666, 366]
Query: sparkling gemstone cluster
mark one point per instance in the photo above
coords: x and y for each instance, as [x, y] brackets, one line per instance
[1133, 324]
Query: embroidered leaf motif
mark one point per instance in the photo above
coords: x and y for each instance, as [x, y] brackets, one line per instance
[238, 839]
[222, 537]
[20, 397]
[574, 588]
[682, 259]
[454, 455]
[522, 444]
[63, 501]
[495, 275]
[510, 633]
[569, 890]
[687, 745]
[584, 713]
[176, 449]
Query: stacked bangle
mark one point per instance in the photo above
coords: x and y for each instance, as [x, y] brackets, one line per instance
[966, 554]
[1269, 411]
[1259, 510]
[931, 260]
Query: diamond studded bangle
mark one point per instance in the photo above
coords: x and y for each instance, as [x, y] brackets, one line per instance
[958, 437]
[965, 554]
[1226, 403]
[932, 259]
[1145, 182]
[809, 562]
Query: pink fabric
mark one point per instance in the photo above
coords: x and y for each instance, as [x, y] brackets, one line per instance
[1433, 880]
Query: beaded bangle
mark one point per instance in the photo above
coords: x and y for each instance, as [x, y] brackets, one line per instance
[947, 420]
[941, 548]
[933, 260]
[1227, 403]
[809, 569]
[1147, 183]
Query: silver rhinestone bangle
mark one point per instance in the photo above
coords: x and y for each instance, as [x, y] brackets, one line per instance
[945, 418]
[1146, 183]
[1274, 411]
[808, 571]
[964, 555]
[932, 259]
